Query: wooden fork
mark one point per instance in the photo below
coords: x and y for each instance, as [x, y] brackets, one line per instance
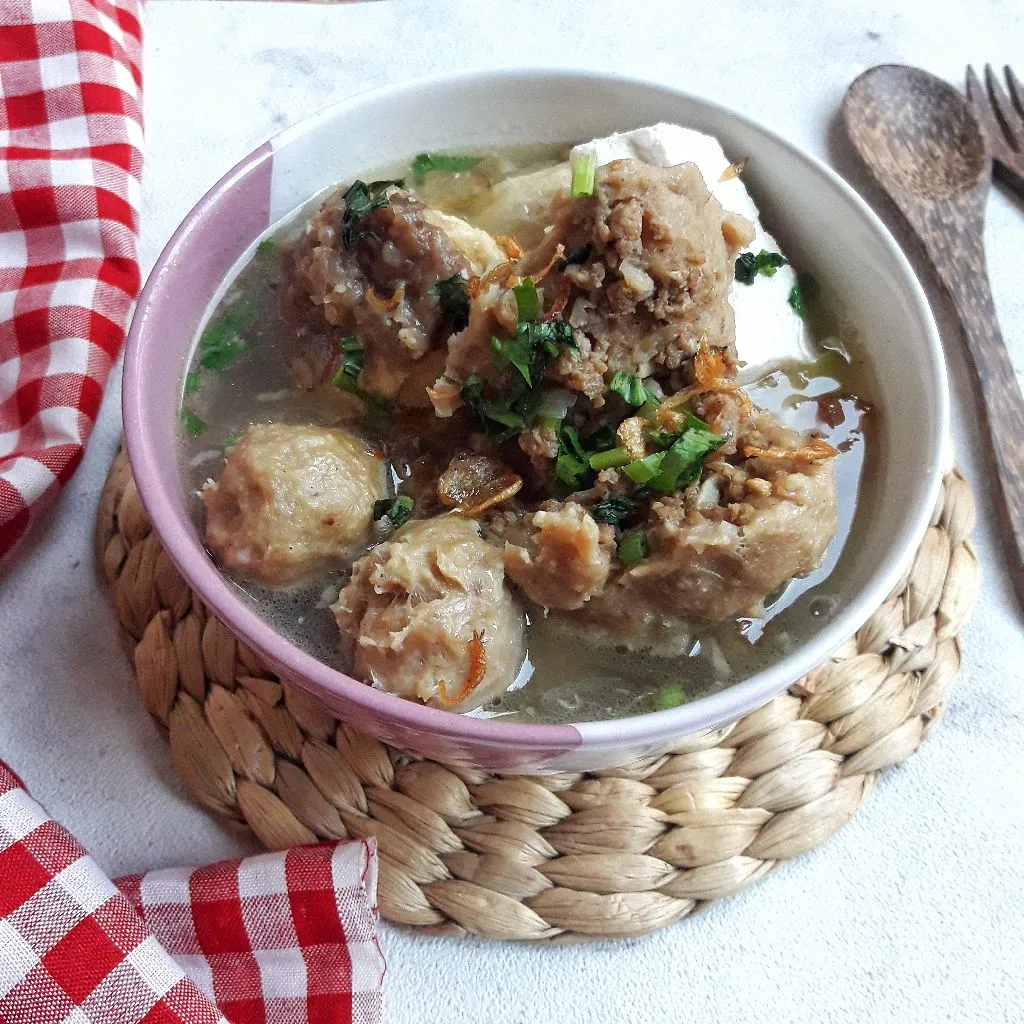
[1002, 120]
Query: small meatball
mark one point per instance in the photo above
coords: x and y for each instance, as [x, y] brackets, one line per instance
[292, 500]
[427, 616]
[565, 561]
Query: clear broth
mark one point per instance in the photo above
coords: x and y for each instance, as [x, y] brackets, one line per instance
[598, 681]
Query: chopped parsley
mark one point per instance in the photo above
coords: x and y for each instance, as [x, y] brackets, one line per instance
[671, 695]
[221, 344]
[613, 511]
[683, 461]
[360, 201]
[517, 352]
[266, 247]
[572, 465]
[397, 510]
[191, 423]
[633, 547]
[423, 163]
[192, 382]
[346, 378]
[527, 300]
[580, 255]
[632, 389]
[584, 176]
[748, 266]
[454, 298]
[806, 287]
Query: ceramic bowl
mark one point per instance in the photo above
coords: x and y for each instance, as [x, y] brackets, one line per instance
[823, 225]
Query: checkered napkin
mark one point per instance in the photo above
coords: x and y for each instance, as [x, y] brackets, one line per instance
[283, 938]
[70, 163]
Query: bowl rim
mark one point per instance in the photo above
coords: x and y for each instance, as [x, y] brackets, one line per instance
[185, 548]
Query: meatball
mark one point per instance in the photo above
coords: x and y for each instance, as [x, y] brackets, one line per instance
[427, 615]
[720, 547]
[292, 500]
[657, 262]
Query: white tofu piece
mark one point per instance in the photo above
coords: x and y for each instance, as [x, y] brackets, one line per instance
[768, 333]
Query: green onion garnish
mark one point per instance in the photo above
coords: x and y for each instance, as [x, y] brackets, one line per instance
[398, 510]
[609, 459]
[633, 547]
[426, 162]
[191, 423]
[748, 266]
[266, 247]
[527, 300]
[646, 469]
[192, 382]
[584, 176]
[346, 378]
[671, 696]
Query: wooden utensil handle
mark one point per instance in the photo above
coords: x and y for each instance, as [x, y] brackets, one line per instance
[1003, 405]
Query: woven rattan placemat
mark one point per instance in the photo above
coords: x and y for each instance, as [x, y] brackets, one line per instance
[559, 857]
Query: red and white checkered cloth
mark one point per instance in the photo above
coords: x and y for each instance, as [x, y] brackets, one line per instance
[282, 938]
[70, 165]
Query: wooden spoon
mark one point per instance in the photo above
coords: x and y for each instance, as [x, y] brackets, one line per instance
[921, 141]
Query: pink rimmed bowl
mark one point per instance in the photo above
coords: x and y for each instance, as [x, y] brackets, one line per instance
[823, 223]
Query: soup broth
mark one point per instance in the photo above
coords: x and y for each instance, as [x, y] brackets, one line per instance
[571, 673]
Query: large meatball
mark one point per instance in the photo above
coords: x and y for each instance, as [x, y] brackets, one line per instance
[428, 616]
[652, 276]
[292, 500]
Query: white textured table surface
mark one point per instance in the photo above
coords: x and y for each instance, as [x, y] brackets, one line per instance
[916, 911]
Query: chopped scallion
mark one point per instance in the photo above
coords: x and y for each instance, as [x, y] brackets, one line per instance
[646, 469]
[398, 510]
[633, 547]
[609, 459]
[671, 696]
[192, 382]
[584, 176]
[426, 162]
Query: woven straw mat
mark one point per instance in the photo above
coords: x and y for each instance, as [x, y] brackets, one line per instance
[559, 857]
